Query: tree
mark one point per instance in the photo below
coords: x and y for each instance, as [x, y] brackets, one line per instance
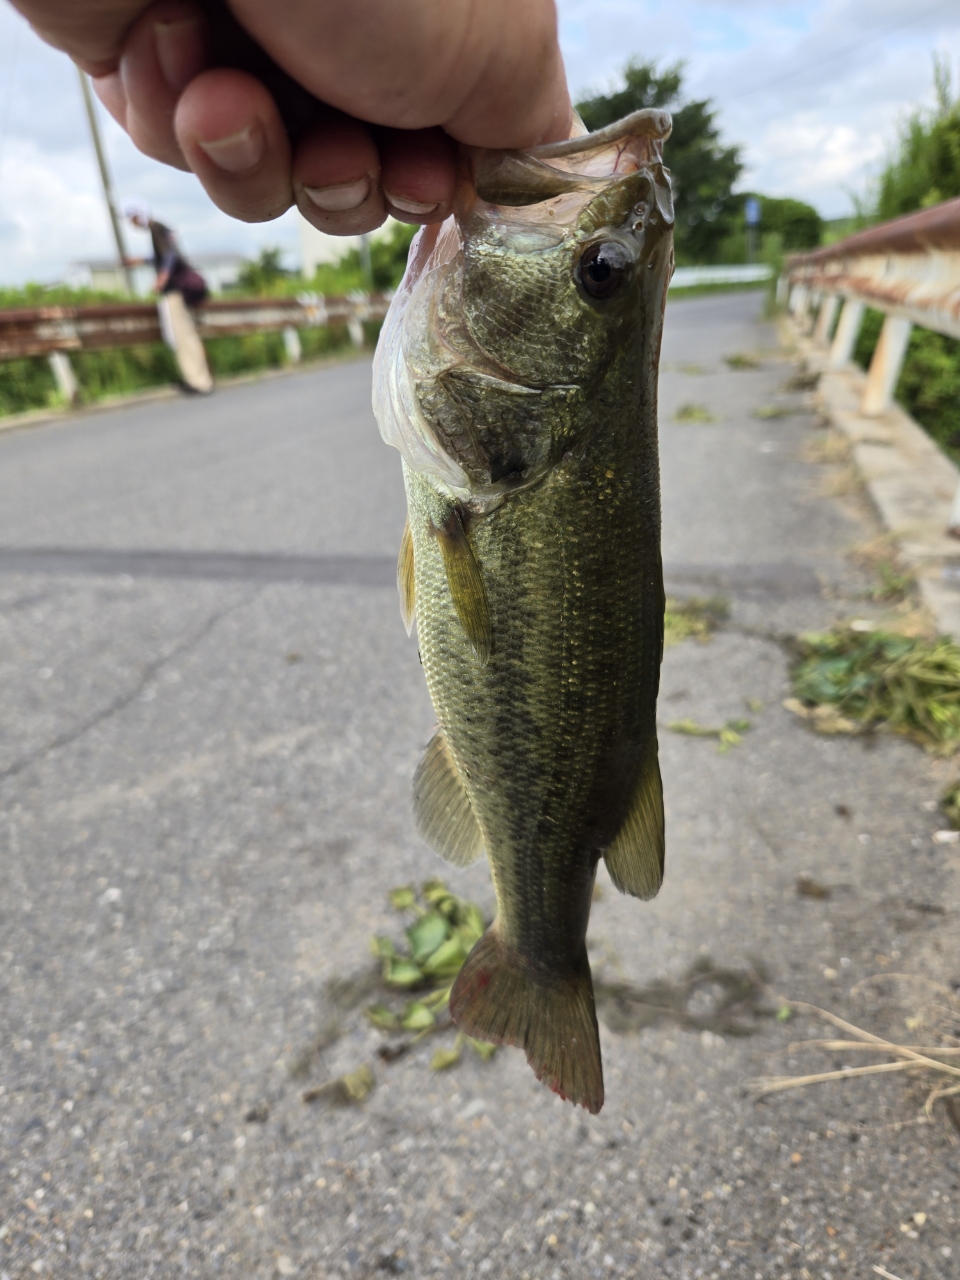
[263, 275]
[704, 170]
[798, 225]
[924, 168]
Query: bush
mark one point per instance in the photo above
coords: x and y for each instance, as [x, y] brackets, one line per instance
[929, 386]
[924, 168]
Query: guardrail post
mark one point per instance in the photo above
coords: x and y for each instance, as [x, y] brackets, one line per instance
[180, 334]
[64, 375]
[797, 305]
[292, 345]
[886, 365]
[828, 313]
[848, 330]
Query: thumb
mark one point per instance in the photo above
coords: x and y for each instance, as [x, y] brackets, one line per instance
[91, 31]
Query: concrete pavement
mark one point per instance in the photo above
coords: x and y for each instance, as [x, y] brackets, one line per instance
[210, 718]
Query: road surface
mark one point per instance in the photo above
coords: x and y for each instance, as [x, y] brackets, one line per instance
[210, 718]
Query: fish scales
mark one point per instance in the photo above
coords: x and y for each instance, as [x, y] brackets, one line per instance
[534, 513]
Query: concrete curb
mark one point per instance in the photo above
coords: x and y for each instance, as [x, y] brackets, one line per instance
[911, 483]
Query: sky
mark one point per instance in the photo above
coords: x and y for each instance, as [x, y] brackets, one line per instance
[811, 90]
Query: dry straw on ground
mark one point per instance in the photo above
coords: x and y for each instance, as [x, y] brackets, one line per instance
[937, 1065]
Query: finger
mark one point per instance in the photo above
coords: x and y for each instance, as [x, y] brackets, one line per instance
[164, 52]
[230, 132]
[93, 35]
[418, 173]
[109, 89]
[491, 74]
[336, 177]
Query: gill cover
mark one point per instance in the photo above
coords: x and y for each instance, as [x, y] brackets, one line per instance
[491, 346]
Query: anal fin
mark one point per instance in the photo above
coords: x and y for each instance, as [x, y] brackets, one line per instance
[466, 585]
[405, 579]
[497, 997]
[441, 806]
[635, 857]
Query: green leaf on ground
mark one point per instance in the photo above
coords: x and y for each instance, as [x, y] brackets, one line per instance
[417, 1017]
[691, 412]
[849, 680]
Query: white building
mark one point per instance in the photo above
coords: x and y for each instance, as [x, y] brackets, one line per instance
[317, 248]
[220, 270]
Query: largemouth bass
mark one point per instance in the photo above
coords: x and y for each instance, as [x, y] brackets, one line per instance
[517, 375]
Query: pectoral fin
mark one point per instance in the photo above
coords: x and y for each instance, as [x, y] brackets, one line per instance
[441, 806]
[635, 857]
[405, 582]
[466, 585]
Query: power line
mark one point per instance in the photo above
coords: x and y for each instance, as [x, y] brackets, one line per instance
[843, 53]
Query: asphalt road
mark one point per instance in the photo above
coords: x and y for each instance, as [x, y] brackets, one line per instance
[209, 719]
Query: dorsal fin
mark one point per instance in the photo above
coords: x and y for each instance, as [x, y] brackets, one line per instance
[466, 585]
[635, 856]
[405, 579]
[441, 806]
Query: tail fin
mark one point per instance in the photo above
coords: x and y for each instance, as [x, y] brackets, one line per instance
[497, 997]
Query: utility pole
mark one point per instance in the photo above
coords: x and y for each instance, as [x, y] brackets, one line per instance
[108, 193]
[366, 263]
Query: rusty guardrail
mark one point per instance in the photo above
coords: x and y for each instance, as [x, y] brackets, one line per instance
[908, 268]
[59, 331]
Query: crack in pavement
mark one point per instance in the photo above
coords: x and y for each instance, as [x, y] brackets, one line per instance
[69, 736]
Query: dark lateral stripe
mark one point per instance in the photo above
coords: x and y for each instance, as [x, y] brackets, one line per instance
[218, 566]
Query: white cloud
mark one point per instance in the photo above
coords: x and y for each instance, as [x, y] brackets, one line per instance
[811, 89]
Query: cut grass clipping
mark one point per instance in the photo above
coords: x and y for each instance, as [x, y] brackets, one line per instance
[436, 944]
[728, 735]
[691, 412]
[851, 681]
[694, 618]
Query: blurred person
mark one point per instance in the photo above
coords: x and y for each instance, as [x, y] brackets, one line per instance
[397, 86]
[174, 272]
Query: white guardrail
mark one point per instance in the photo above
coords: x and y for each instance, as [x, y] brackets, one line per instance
[743, 273]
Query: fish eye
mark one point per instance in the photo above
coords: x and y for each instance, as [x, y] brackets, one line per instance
[602, 267]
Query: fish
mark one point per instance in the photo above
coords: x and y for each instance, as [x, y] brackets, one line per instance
[516, 373]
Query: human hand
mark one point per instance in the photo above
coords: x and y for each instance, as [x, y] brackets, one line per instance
[401, 81]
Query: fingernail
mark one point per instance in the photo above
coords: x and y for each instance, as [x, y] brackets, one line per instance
[179, 51]
[237, 152]
[410, 206]
[348, 195]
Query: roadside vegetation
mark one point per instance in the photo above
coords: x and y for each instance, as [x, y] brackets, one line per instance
[922, 169]
[29, 384]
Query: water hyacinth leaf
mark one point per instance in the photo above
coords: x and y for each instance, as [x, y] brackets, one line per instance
[907, 684]
[427, 934]
[417, 1017]
[404, 897]
[437, 999]
[443, 1059]
[382, 947]
[482, 1048]
[383, 1017]
[402, 973]
[446, 961]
